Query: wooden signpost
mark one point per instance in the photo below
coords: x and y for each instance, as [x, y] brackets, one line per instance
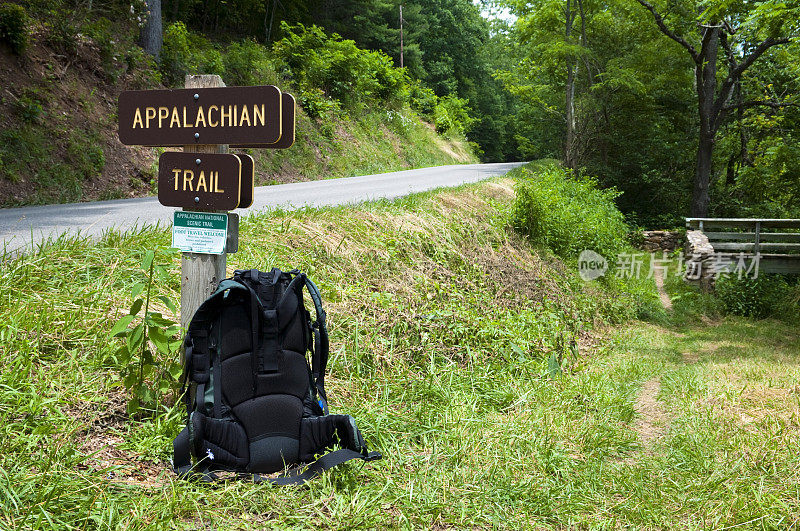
[204, 180]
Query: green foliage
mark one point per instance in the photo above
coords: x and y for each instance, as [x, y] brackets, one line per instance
[58, 154]
[635, 100]
[342, 71]
[422, 99]
[147, 359]
[568, 214]
[14, 27]
[444, 361]
[64, 33]
[759, 297]
[145, 71]
[447, 45]
[28, 151]
[451, 115]
[29, 107]
[104, 37]
[317, 105]
[86, 154]
[185, 53]
[247, 63]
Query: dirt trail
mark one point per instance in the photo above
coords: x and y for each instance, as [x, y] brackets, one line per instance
[652, 421]
[658, 274]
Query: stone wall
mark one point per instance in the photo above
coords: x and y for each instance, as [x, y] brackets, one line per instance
[699, 255]
[661, 240]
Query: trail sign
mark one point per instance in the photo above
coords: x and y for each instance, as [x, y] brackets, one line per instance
[205, 118]
[200, 232]
[247, 186]
[200, 181]
[201, 116]
[288, 105]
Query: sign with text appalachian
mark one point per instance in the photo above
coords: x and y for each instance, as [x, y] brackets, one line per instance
[183, 117]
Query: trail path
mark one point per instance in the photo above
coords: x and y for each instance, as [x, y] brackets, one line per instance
[652, 421]
[658, 274]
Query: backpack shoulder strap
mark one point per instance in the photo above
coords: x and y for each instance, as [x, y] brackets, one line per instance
[321, 352]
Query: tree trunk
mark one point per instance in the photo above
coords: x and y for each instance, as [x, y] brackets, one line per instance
[150, 37]
[706, 78]
[702, 177]
[569, 149]
[569, 145]
[744, 154]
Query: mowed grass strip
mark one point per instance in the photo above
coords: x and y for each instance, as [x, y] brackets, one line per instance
[444, 325]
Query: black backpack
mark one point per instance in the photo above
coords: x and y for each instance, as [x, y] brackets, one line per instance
[254, 405]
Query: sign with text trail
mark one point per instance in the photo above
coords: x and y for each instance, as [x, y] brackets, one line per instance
[201, 181]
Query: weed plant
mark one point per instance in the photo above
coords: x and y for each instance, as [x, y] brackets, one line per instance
[569, 214]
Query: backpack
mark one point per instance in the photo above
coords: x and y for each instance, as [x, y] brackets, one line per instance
[254, 405]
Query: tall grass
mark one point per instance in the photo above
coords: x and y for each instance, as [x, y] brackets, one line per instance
[444, 324]
[568, 214]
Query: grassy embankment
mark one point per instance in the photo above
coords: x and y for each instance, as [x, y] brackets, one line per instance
[445, 330]
[58, 123]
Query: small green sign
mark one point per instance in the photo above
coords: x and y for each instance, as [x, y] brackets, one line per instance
[200, 232]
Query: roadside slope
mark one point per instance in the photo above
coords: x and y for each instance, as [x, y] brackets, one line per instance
[444, 329]
[58, 130]
[21, 228]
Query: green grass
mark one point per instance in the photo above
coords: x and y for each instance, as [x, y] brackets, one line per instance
[49, 156]
[444, 326]
[373, 142]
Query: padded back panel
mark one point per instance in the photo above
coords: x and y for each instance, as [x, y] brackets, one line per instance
[272, 424]
[294, 335]
[237, 378]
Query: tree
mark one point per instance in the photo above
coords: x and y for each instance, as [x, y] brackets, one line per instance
[722, 30]
[150, 37]
[629, 100]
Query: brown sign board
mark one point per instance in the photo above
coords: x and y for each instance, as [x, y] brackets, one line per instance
[185, 117]
[288, 105]
[199, 181]
[247, 186]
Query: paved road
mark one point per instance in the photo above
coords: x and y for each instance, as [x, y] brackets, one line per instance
[19, 227]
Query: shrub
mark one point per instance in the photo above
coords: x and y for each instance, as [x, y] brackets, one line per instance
[344, 72]
[29, 108]
[13, 27]
[753, 297]
[184, 53]
[246, 63]
[316, 105]
[568, 214]
[422, 99]
[451, 115]
[85, 153]
[143, 67]
[174, 53]
[102, 33]
[63, 34]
